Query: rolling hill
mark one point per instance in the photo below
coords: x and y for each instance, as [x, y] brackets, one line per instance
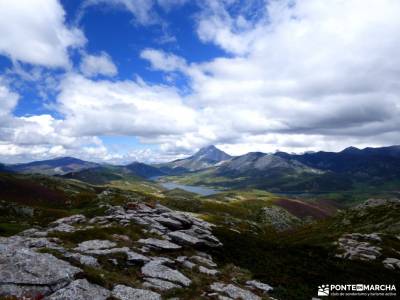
[144, 170]
[381, 162]
[56, 166]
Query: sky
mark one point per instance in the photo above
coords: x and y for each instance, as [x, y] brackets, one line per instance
[153, 80]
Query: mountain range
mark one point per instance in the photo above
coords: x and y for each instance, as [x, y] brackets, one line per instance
[56, 166]
[279, 172]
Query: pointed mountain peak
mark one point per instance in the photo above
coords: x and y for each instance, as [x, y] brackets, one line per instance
[211, 153]
[207, 149]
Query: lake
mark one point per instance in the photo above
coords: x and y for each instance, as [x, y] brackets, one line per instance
[189, 188]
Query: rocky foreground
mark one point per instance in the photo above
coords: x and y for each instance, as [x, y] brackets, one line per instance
[375, 246]
[167, 259]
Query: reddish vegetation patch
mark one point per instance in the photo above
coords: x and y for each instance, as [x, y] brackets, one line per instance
[301, 209]
[24, 191]
[327, 205]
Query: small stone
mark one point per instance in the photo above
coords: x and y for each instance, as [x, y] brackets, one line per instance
[71, 220]
[156, 269]
[136, 257]
[162, 260]
[33, 232]
[208, 271]
[391, 263]
[184, 238]
[80, 290]
[224, 298]
[204, 261]
[233, 291]
[123, 292]
[162, 209]
[259, 285]
[188, 264]
[115, 210]
[181, 259]
[170, 223]
[121, 237]
[161, 244]
[95, 245]
[159, 284]
[63, 228]
[86, 260]
[179, 217]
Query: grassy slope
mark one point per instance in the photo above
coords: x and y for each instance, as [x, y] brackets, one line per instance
[297, 261]
[27, 200]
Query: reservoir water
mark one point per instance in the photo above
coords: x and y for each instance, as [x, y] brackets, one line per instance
[189, 188]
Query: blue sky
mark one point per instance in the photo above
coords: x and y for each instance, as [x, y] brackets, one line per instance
[154, 80]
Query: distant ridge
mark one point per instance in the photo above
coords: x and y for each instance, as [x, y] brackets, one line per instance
[56, 166]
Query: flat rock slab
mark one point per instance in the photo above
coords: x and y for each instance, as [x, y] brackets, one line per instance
[156, 269]
[202, 260]
[207, 271]
[95, 245]
[159, 284]
[169, 222]
[259, 285]
[391, 263]
[28, 242]
[71, 220]
[22, 267]
[233, 291]
[123, 292]
[136, 257]
[86, 260]
[183, 238]
[81, 290]
[62, 227]
[107, 251]
[161, 244]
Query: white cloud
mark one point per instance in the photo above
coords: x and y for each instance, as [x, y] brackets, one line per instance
[35, 32]
[309, 68]
[163, 61]
[43, 137]
[8, 101]
[101, 64]
[142, 10]
[305, 76]
[122, 108]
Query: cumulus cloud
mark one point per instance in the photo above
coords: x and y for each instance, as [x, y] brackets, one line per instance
[101, 64]
[163, 61]
[305, 68]
[43, 137]
[8, 101]
[35, 32]
[122, 108]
